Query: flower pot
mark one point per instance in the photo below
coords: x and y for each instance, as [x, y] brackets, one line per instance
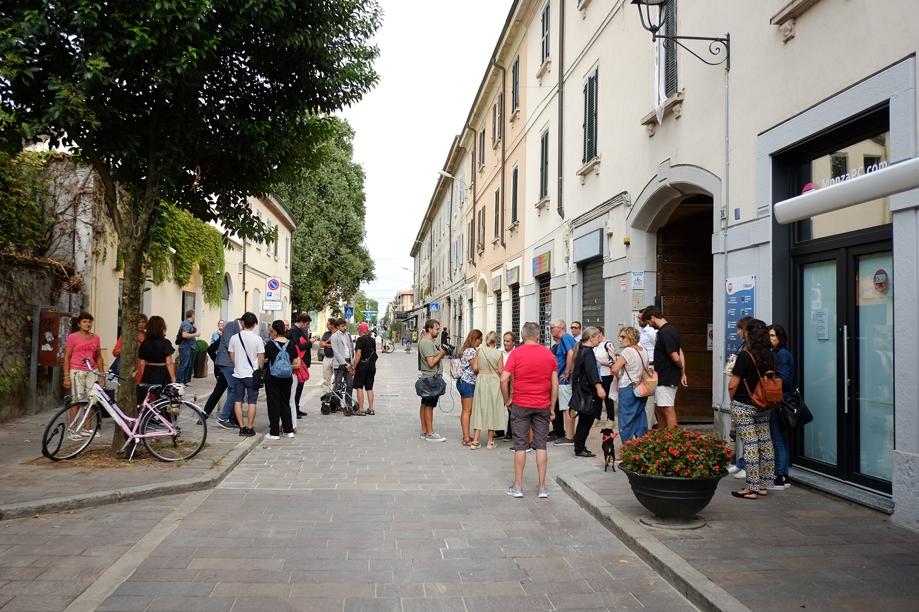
[672, 497]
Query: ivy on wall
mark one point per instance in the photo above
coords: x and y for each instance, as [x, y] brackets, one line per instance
[180, 242]
[23, 192]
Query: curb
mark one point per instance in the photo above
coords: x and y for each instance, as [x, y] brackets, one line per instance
[101, 498]
[690, 582]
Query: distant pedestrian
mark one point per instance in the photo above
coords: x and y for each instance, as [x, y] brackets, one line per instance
[785, 370]
[364, 368]
[302, 341]
[325, 345]
[629, 368]
[752, 423]
[218, 332]
[564, 356]
[156, 354]
[488, 410]
[670, 365]
[466, 383]
[82, 345]
[430, 384]
[282, 359]
[223, 364]
[586, 385]
[605, 354]
[189, 336]
[247, 351]
[534, 374]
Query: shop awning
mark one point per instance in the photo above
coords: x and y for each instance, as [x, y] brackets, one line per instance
[895, 178]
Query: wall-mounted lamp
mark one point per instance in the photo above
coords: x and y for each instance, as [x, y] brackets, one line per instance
[716, 45]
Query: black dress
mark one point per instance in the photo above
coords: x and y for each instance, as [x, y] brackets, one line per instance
[154, 351]
[585, 377]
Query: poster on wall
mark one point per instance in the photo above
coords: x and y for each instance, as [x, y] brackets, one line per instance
[740, 301]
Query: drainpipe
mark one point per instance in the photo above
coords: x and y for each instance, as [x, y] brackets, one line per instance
[561, 101]
[503, 145]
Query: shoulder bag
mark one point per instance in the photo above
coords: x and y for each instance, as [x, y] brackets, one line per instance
[432, 386]
[768, 392]
[647, 383]
[582, 400]
[793, 412]
[258, 375]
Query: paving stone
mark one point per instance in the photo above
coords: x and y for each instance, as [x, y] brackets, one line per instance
[439, 604]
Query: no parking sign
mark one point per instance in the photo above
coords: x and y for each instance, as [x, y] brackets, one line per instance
[273, 289]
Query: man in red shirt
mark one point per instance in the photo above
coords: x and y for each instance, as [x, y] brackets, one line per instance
[529, 385]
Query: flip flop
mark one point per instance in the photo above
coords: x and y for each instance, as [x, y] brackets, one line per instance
[474, 445]
[747, 495]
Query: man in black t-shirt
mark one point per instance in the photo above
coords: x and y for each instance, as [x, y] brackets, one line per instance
[669, 365]
[364, 368]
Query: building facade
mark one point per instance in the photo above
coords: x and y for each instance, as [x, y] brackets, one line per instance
[650, 177]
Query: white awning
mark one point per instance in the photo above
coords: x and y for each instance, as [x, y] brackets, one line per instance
[896, 178]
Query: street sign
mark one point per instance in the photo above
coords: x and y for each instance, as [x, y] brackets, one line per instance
[369, 314]
[434, 307]
[273, 289]
[349, 313]
[272, 305]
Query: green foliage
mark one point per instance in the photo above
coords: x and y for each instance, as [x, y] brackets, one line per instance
[330, 260]
[676, 452]
[23, 194]
[362, 303]
[192, 243]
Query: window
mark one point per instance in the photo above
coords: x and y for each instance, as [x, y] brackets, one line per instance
[497, 211]
[544, 51]
[669, 29]
[590, 117]
[544, 166]
[839, 164]
[481, 236]
[497, 119]
[515, 177]
[515, 85]
[471, 238]
[482, 148]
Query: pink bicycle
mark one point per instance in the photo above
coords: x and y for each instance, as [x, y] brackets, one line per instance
[170, 428]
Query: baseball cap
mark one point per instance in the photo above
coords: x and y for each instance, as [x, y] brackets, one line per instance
[363, 327]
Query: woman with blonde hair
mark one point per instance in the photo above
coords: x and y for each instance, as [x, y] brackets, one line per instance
[467, 380]
[630, 367]
[488, 411]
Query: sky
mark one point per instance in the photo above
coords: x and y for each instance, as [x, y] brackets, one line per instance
[433, 55]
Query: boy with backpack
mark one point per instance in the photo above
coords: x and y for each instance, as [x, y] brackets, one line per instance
[281, 359]
[364, 367]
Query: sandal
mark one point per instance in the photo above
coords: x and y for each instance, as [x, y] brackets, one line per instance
[370, 411]
[491, 445]
[467, 442]
[361, 413]
[762, 492]
[474, 445]
[745, 494]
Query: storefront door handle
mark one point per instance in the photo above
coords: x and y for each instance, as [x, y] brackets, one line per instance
[845, 368]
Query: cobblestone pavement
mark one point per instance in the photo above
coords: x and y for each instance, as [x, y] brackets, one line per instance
[354, 514]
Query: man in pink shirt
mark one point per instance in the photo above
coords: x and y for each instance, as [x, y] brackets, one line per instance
[529, 384]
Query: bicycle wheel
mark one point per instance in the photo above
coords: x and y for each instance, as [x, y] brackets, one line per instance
[190, 425]
[70, 431]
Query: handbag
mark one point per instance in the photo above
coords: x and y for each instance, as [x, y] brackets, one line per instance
[258, 374]
[793, 412]
[432, 386]
[582, 400]
[648, 383]
[768, 392]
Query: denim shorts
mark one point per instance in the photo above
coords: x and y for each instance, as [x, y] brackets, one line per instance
[244, 390]
[466, 390]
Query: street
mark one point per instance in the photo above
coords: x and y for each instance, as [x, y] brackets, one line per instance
[354, 514]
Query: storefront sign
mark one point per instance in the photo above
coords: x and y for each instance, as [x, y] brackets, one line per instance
[854, 173]
[512, 276]
[740, 301]
[588, 246]
[542, 264]
[496, 283]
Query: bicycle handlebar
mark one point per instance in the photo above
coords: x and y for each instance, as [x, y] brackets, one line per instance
[108, 374]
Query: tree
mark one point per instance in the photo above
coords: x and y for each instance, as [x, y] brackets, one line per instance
[362, 304]
[197, 103]
[330, 260]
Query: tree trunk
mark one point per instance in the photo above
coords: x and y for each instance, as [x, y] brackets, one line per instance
[131, 248]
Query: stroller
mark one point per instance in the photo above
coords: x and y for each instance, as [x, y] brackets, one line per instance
[335, 398]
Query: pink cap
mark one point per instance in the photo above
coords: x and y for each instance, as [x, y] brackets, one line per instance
[363, 327]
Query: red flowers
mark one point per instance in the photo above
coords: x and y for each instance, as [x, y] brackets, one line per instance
[676, 452]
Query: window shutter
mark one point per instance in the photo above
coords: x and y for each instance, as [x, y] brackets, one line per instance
[586, 124]
[500, 113]
[514, 178]
[670, 67]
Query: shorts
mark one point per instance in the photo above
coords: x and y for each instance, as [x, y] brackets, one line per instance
[364, 375]
[244, 390]
[466, 390]
[522, 419]
[430, 402]
[564, 396]
[81, 384]
[665, 396]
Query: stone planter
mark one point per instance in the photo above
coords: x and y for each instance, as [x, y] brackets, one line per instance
[672, 497]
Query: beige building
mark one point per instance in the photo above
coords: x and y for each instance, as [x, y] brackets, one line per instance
[656, 171]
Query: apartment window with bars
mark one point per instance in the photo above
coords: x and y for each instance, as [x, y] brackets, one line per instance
[498, 310]
[515, 179]
[670, 67]
[591, 109]
[515, 84]
[544, 50]
[515, 311]
[497, 212]
[482, 148]
[544, 165]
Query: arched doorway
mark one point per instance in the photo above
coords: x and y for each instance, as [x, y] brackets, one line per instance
[480, 317]
[677, 210]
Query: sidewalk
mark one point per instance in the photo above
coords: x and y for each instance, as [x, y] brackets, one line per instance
[794, 549]
[31, 484]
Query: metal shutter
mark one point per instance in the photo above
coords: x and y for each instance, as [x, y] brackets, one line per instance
[592, 293]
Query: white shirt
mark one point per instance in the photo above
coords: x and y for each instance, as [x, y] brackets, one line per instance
[601, 355]
[647, 339]
[253, 346]
[635, 361]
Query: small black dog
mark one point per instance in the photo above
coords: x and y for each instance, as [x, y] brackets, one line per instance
[609, 448]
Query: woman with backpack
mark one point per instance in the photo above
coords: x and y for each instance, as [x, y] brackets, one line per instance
[751, 421]
[281, 359]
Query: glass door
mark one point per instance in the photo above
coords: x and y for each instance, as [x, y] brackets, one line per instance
[844, 329]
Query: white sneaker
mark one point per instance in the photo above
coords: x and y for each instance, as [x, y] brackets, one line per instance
[740, 474]
[270, 437]
[514, 492]
[543, 493]
[732, 469]
[290, 435]
[435, 437]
